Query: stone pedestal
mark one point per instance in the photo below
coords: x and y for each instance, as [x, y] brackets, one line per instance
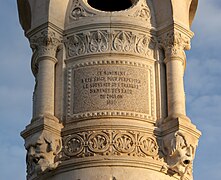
[109, 100]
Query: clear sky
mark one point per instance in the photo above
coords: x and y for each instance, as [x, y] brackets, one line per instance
[202, 87]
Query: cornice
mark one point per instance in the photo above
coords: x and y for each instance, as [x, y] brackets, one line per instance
[44, 27]
[175, 27]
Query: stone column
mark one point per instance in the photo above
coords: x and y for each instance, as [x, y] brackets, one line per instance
[175, 59]
[45, 46]
[43, 135]
[178, 142]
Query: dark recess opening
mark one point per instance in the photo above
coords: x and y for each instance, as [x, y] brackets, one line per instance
[110, 5]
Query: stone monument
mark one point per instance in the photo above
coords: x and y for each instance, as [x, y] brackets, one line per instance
[109, 101]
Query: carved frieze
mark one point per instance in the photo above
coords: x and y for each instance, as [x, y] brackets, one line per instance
[110, 143]
[104, 41]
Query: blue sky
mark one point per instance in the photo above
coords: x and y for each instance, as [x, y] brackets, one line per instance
[202, 87]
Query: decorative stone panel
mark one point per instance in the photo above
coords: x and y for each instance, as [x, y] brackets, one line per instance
[110, 88]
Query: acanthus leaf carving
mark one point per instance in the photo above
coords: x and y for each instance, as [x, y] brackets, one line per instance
[145, 45]
[123, 41]
[46, 43]
[98, 41]
[103, 41]
[174, 44]
[76, 45]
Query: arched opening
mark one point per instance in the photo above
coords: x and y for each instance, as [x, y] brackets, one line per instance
[111, 5]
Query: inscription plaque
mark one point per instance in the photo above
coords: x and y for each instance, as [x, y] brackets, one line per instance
[111, 87]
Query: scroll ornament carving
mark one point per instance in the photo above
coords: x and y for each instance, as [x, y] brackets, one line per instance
[174, 44]
[110, 143]
[78, 11]
[76, 45]
[98, 42]
[143, 12]
[124, 41]
[179, 155]
[102, 41]
[42, 151]
[46, 43]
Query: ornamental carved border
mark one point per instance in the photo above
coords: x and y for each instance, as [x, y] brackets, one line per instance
[116, 41]
[110, 143]
[111, 113]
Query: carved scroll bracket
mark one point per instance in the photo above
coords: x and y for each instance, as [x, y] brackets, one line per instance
[43, 144]
[179, 147]
[179, 154]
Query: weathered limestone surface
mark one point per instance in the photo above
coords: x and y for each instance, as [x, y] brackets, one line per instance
[109, 100]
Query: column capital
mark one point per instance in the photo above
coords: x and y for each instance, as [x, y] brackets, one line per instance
[45, 43]
[174, 43]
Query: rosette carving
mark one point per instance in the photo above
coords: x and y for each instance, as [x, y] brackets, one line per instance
[124, 142]
[98, 142]
[148, 146]
[73, 145]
